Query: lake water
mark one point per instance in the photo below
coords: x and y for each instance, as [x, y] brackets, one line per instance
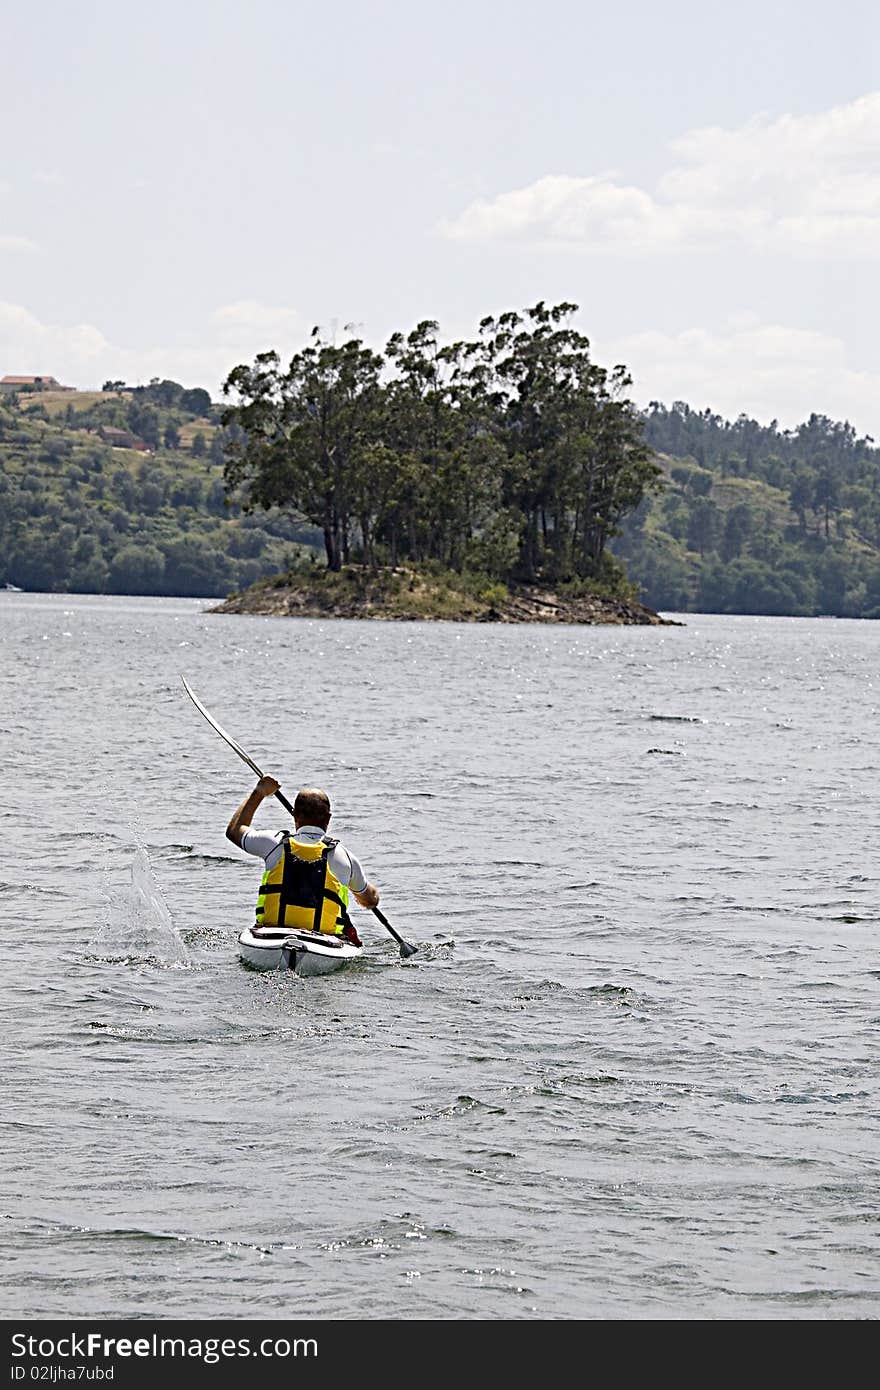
[631, 1073]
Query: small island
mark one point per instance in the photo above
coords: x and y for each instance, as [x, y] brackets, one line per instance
[410, 594]
[472, 482]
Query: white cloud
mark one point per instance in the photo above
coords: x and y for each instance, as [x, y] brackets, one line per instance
[766, 371]
[796, 184]
[249, 316]
[81, 355]
[242, 329]
[28, 346]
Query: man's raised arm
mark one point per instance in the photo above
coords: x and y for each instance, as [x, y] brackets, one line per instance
[242, 817]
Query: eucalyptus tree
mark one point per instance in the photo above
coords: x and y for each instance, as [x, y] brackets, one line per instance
[384, 491]
[826, 495]
[438, 422]
[800, 496]
[299, 435]
[703, 525]
[575, 459]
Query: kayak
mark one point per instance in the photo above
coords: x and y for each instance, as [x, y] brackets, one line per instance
[304, 952]
[247, 941]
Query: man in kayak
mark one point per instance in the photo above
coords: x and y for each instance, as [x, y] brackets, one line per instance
[307, 874]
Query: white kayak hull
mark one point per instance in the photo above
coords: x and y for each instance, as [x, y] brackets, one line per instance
[303, 952]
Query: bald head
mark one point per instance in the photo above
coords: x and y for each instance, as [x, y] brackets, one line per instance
[312, 807]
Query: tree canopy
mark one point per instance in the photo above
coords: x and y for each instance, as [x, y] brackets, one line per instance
[513, 453]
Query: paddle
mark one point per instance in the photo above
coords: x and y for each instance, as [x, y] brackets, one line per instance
[405, 948]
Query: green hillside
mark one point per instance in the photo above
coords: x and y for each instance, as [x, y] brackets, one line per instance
[81, 513]
[749, 518]
[756, 520]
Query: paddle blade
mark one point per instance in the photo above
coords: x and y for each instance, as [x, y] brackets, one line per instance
[405, 948]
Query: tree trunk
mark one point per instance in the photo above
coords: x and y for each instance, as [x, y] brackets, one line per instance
[331, 546]
[530, 544]
[366, 536]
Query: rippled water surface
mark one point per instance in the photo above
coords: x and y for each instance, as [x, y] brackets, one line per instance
[632, 1070]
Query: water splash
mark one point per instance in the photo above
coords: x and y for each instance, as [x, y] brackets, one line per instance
[137, 924]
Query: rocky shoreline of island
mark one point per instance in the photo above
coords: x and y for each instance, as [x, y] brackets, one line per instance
[403, 594]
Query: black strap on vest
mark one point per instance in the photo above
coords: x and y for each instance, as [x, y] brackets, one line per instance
[293, 889]
[330, 844]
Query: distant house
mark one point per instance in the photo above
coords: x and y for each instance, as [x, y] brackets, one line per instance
[9, 384]
[122, 439]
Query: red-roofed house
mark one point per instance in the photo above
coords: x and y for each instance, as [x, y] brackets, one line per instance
[123, 439]
[9, 384]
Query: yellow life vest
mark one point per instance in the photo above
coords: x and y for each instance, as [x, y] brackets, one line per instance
[302, 891]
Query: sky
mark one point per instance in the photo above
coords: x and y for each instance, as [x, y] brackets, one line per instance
[185, 185]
